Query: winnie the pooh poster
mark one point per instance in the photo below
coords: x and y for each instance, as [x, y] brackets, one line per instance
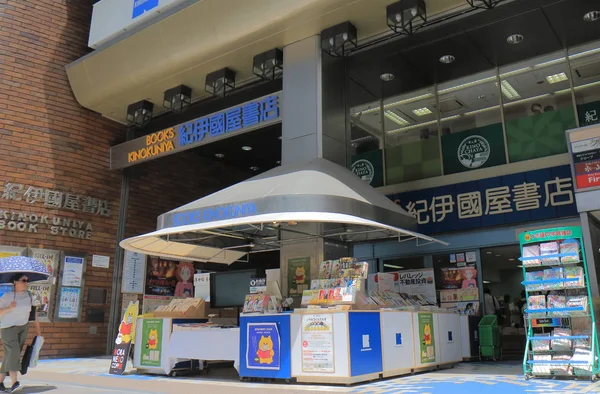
[262, 347]
[151, 343]
[426, 338]
[298, 275]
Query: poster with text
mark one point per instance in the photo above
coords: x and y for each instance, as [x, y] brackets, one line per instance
[68, 305]
[170, 278]
[459, 278]
[416, 282]
[49, 258]
[298, 275]
[73, 271]
[41, 294]
[134, 271]
[202, 286]
[317, 343]
[426, 338]
[151, 343]
[263, 347]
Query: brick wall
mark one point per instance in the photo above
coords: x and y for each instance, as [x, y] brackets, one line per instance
[48, 140]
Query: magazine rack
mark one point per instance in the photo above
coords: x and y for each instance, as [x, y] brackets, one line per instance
[560, 319]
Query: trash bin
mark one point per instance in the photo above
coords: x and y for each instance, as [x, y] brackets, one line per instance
[489, 338]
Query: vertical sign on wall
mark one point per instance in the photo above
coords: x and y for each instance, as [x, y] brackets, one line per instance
[134, 273]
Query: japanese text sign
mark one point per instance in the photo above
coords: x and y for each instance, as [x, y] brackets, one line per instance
[249, 116]
[585, 154]
[516, 198]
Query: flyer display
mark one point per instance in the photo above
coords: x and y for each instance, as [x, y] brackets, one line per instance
[73, 271]
[317, 343]
[49, 258]
[151, 343]
[560, 317]
[68, 306]
[41, 296]
[263, 350]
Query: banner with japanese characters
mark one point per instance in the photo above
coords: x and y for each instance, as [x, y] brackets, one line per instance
[589, 114]
[516, 198]
[585, 155]
[417, 282]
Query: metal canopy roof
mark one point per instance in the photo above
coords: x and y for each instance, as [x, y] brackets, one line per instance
[252, 216]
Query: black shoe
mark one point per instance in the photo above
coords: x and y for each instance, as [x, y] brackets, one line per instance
[15, 387]
[2, 387]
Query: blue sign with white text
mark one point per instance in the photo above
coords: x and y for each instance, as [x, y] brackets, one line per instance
[263, 347]
[212, 214]
[251, 114]
[524, 197]
[141, 6]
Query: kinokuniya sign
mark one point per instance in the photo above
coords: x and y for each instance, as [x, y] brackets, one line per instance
[240, 119]
[28, 222]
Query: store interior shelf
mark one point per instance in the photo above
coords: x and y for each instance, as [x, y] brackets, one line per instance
[549, 281]
[549, 338]
[555, 310]
[550, 256]
[557, 362]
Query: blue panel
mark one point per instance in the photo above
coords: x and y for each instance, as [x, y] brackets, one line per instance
[141, 6]
[285, 365]
[510, 199]
[365, 343]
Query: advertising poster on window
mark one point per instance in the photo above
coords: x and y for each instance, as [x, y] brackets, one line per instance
[40, 297]
[459, 289]
[416, 282]
[73, 271]
[49, 258]
[263, 347]
[151, 344]
[298, 275]
[169, 278]
[426, 338]
[317, 343]
[68, 305]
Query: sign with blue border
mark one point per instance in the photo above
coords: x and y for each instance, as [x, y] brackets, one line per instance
[252, 115]
[509, 199]
[263, 349]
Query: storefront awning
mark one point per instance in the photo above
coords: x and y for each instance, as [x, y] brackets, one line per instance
[251, 216]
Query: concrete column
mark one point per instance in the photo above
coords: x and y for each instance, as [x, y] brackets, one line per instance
[314, 126]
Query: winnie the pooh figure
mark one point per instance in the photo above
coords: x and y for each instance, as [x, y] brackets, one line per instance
[265, 351]
[153, 340]
[300, 276]
[427, 334]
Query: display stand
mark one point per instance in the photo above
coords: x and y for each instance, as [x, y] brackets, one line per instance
[338, 347]
[265, 350]
[560, 317]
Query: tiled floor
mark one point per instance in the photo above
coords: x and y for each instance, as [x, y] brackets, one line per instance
[475, 378]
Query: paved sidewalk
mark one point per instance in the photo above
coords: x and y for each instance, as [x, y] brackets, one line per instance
[73, 375]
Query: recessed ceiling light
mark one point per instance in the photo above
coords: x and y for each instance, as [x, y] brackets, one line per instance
[219, 155]
[447, 59]
[498, 255]
[394, 117]
[556, 78]
[254, 168]
[486, 281]
[481, 96]
[422, 111]
[511, 259]
[387, 77]
[509, 91]
[278, 162]
[515, 39]
[488, 252]
[592, 16]
[519, 266]
[393, 266]
[246, 148]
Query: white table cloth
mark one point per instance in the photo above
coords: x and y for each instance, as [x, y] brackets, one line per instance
[207, 344]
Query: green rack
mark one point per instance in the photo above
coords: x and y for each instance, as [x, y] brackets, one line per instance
[489, 338]
[560, 320]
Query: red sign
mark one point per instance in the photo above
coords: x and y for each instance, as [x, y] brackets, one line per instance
[589, 180]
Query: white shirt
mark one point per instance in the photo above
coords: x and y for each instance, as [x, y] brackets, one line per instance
[491, 304]
[19, 316]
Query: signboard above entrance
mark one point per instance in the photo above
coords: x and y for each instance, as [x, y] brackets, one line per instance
[509, 199]
[232, 121]
[584, 145]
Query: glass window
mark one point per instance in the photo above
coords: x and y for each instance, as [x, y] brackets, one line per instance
[538, 107]
[412, 149]
[585, 70]
[404, 263]
[471, 122]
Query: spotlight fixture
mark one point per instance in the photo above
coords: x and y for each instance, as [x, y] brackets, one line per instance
[254, 168]
[140, 114]
[485, 4]
[178, 98]
[447, 59]
[337, 39]
[387, 77]
[247, 148]
[219, 155]
[403, 15]
[556, 78]
[422, 111]
[268, 65]
[591, 16]
[515, 39]
[220, 82]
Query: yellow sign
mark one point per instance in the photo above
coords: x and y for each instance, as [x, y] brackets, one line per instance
[7, 254]
[156, 143]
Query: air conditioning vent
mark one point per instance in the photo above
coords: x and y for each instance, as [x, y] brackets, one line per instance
[588, 71]
[450, 105]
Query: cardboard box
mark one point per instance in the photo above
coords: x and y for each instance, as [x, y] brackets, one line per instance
[196, 309]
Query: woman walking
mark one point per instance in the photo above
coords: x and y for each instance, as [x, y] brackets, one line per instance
[15, 314]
